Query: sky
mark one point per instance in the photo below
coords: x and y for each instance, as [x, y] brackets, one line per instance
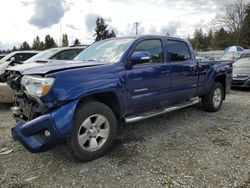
[23, 20]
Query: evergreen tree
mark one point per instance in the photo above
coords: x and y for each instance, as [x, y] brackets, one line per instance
[102, 31]
[198, 41]
[76, 43]
[245, 30]
[42, 46]
[49, 42]
[209, 39]
[221, 40]
[65, 41]
[25, 46]
[36, 44]
[14, 49]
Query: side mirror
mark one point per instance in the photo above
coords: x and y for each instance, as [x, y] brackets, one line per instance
[12, 59]
[140, 57]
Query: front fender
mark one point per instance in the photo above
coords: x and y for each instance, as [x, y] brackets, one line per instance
[63, 118]
[92, 87]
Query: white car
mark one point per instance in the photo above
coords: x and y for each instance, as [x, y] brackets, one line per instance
[19, 56]
[66, 53]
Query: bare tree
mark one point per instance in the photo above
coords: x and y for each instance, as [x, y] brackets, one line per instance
[231, 16]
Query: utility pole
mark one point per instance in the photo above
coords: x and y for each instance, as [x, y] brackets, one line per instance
[136, 27]
[60, 43]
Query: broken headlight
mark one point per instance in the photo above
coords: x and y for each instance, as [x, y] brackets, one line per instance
[37, 86]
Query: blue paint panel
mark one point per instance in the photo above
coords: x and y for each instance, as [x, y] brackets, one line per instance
[63, 119]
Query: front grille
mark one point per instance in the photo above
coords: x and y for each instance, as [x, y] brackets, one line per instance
[238, 82]
[240, 77]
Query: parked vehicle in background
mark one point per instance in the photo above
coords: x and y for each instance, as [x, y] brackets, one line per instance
[241, 73]
[18, 56]
[237, 49]
[2, 55]
[230, 57]
[121, 79]
[6, 94]
[65, 53]
[202, 59]
[245, 55]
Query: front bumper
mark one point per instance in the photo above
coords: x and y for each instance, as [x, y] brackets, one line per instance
[6, 93]
[59, 123]
[241, 83]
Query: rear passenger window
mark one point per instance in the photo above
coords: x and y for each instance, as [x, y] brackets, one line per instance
[178, 51]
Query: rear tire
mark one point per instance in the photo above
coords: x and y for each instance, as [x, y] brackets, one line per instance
[94, 131]
[213, 101]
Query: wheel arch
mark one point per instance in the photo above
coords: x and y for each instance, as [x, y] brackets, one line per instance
[108, 98]
[222, 80]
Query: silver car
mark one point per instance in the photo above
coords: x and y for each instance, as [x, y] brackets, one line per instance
[65, 53]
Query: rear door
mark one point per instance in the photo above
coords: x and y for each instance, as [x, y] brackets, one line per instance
[184, 70]
[147, 84]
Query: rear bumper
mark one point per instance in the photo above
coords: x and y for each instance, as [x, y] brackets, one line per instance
[59, 124]
[6, 93]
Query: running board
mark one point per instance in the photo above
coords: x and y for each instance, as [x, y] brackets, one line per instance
[157, 112]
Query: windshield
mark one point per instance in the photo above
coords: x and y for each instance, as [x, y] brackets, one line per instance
[105, 51]
[230, 56]
[42, 55]
[245, 62]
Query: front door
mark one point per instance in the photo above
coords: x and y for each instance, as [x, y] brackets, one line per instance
[148, 84]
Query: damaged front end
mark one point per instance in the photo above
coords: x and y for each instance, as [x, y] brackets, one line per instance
[25, 107]
[41, 125]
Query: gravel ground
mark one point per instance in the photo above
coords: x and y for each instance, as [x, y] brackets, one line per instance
[188, 148]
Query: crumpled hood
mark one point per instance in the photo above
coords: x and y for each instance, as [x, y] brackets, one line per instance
[51, 66]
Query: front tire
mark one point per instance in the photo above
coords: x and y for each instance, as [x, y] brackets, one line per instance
[213, 101]
[94, 131]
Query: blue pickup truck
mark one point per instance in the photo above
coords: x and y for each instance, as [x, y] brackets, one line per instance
[117, 80]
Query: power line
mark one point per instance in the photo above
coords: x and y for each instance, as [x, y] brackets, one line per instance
[137, 23]
[177, 16]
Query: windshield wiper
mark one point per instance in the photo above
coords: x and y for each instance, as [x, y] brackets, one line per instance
[41, 61]
[89, 60]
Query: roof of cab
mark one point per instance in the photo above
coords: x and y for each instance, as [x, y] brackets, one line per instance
[26, 51]
[148, 36]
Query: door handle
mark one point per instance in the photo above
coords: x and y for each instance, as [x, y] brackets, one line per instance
[165, 72]
[193, 68]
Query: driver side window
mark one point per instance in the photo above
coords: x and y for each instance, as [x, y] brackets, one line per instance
[153, 47]
[19, 57]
